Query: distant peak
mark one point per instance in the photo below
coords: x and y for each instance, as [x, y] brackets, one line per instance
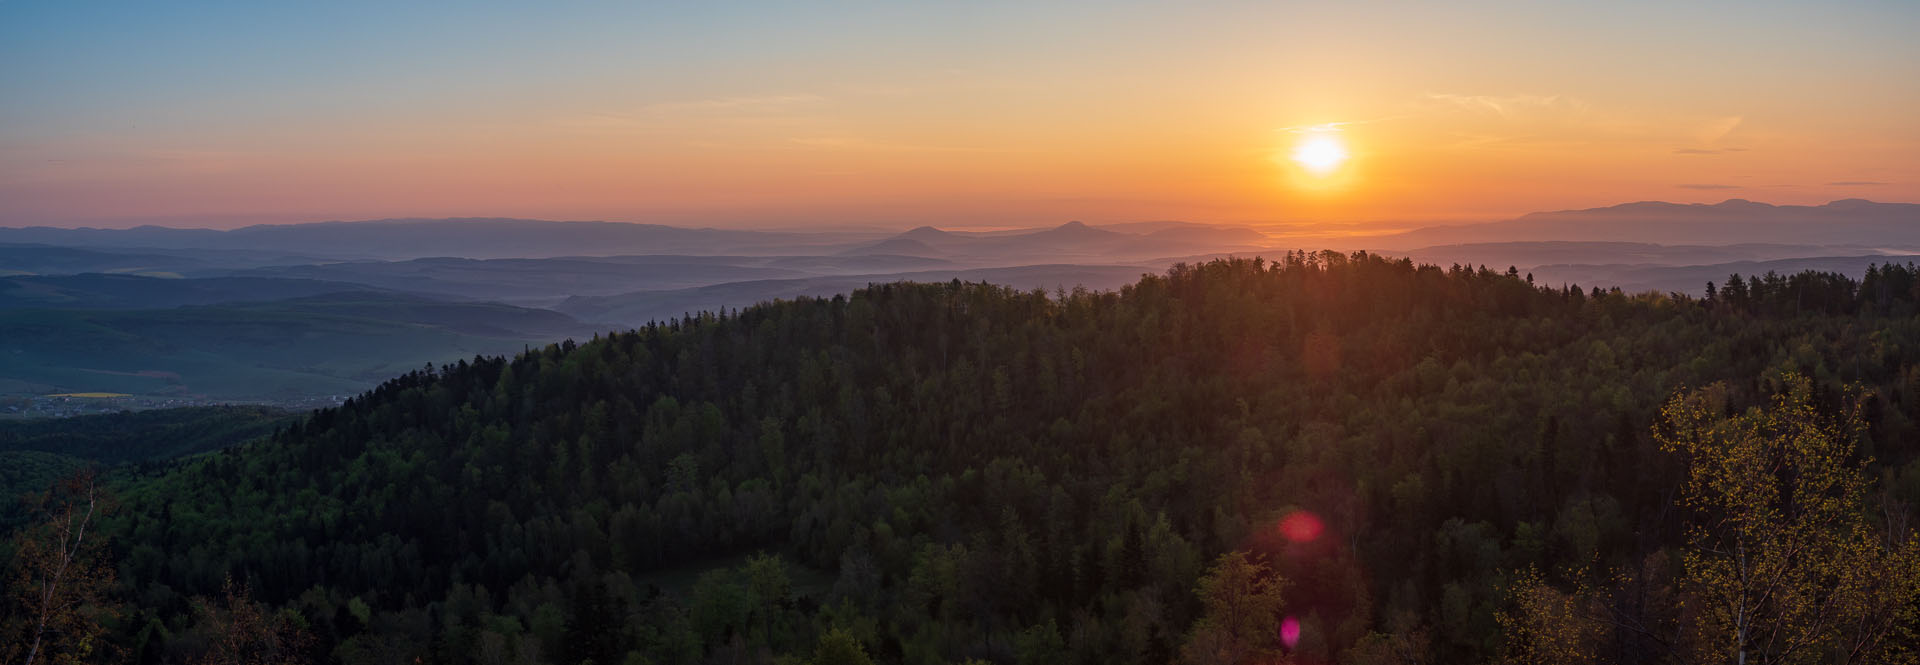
[1639, 205]
[1851, 203]
[926, 233]
[1077, 229]
[1741, 203]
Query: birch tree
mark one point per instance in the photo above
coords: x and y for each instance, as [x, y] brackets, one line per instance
[56, 590]
[1782, 563]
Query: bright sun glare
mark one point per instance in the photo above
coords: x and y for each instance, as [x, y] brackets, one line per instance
[1320, 153]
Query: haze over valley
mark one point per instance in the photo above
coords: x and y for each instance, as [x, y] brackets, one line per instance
[293, 313]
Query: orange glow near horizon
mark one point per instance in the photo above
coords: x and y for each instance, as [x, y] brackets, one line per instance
[1000, 116]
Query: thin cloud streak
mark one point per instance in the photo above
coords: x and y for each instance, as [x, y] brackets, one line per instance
[1506, 105]
[1337, 126]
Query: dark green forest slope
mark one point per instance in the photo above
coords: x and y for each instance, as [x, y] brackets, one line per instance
[933, 473]
[34, 453]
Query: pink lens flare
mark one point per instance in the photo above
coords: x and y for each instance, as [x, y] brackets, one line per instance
[1301, 526]
[1290, 632]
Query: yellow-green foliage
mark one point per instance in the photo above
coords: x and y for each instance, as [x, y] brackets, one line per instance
[1548, 626]
[1783, 565]
[1242, 618]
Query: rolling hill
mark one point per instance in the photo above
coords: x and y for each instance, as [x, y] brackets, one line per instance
[640, 307]
[122, 291]
[946, 472]
[466, 237]
[544, 281]
[329, 344]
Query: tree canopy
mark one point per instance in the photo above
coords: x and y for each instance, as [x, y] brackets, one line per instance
[940, 473]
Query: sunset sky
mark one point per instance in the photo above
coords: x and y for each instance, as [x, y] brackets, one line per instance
[776, 114]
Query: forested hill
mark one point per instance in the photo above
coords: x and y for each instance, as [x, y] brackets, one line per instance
[932, 473]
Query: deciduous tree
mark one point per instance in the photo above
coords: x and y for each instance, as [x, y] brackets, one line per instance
[56, 592]
[1781, 559]
[1241, 623]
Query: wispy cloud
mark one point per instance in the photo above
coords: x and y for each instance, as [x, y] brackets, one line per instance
[1857, 183]
[1709, 187]
[1316, 129]
[1539, 122]
[1508, 104]
[1719, 128]
[1337, 126]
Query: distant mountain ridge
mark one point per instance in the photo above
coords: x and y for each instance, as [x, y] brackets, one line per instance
[126, 291]
[1073, 240]
[464, 237]
[323, 308]
[507, 238]
[541, 264]
[1846, 221]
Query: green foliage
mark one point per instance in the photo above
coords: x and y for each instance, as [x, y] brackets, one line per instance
[938, 469]
[24, 472]
[1783, 562]
[143, 436]
[1240, 616]
[36, 453]
[839, 647]
[1040, 645]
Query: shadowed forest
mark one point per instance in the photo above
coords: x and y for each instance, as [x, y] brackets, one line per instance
[1324, 459]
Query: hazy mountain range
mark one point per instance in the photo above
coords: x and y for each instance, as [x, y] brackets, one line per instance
[332, 307]
[1844, 222]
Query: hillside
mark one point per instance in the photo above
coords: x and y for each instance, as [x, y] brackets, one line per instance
[640, 307]
[281, 349]
[35, 259]
[943, 472]
[36, 453]
[542, 282]
[124, 291]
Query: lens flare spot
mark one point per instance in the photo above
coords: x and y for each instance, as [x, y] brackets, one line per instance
[1301, 527]
[1290, 632]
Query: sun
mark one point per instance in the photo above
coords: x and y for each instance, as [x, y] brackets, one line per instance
[1320, 153]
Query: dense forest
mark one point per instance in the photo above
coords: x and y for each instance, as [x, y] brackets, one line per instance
[1327, 458]
[35, 453]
